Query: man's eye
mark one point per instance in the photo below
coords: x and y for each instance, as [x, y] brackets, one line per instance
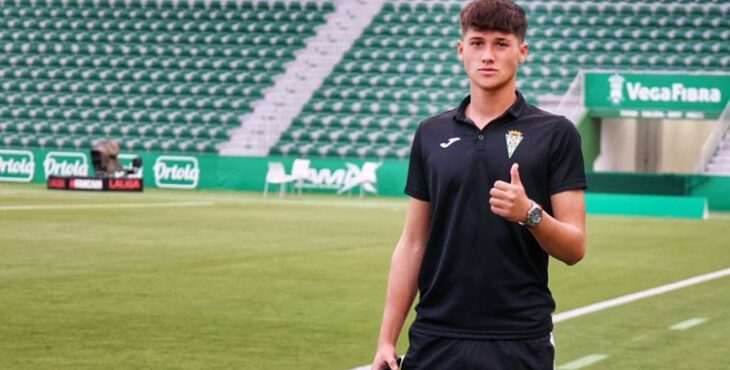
[502, 45]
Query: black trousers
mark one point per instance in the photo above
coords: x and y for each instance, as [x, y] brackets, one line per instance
[428, 352]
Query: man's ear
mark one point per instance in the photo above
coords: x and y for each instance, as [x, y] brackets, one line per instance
[460, 49]
[523, 51]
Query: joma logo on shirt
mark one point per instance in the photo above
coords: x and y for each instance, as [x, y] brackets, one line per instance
[451, 141]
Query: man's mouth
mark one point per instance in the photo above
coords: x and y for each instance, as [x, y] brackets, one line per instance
[487, 70]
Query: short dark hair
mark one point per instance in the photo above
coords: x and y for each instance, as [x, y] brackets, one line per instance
[498, 15]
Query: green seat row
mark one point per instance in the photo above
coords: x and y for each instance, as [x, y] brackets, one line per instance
[161, 50]
[365, 121]
[409, 68]
[116, 101]
[632, 60]
[128, 144]
[172, 116]
[141, 44]
[694, 30]
[129, 75]
[123, 90]
[119, 129]
[396, 80]
[374, 107]
[653, 8]
[574, 8]
[629, 33]
[163, 38]
[341, 136]
[630, 21]
[144, 63]
[364, 151]
[394, 95]
[629, 46]
[258, 5]
[233, 27]
[422, 7]
[394, 54]
[160, 14]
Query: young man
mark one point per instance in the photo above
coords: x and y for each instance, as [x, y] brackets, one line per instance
[496, 187]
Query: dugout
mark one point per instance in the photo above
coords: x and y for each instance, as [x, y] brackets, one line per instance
[648, 122]
[649, 139]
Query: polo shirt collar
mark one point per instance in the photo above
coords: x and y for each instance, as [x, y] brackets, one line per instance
[515, 110]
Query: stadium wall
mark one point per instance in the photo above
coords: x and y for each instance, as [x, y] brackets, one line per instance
[325, 175]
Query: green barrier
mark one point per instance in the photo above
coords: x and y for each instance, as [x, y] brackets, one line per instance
[324, 175]
[203, 171]
[715, 188]
[637, 183]
[646, 205]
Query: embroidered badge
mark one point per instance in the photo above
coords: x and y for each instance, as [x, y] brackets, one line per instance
[513, 138]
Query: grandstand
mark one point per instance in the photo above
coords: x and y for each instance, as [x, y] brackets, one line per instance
[312, 78]
[404, 67]
[163, 76]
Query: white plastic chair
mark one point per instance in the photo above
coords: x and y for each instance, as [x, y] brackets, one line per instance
[277, 175]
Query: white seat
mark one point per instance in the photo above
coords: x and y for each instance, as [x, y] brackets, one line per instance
[276, 174]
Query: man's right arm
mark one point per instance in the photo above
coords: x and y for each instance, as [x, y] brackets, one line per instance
[402, 281]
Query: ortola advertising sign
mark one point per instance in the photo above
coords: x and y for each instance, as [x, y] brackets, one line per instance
[17, 165]
[176, 172]
[656, 95]
[66, 164]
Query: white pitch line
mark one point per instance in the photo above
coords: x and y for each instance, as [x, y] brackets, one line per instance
[102, 205]
[567, 315]
[583, 362]
[570, 314]
[686, 324]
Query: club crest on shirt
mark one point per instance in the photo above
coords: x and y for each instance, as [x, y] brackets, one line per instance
[513, 138]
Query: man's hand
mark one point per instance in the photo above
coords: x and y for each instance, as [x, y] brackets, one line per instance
[385, 358]
[509, 199]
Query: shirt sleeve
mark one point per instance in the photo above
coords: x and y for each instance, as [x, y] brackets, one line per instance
[416, 185]
[567, 170]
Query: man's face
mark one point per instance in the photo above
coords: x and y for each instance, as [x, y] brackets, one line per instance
[490, 58]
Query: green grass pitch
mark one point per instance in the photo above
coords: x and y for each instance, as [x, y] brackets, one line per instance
[228, 280]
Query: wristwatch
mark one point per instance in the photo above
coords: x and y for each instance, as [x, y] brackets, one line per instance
[534, 216]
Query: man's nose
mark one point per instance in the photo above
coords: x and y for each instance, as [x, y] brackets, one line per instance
[487, 55]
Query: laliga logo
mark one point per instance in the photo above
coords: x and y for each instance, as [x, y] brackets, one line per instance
[16, 165]
[65, 164]
[176, 172]
[616, 82]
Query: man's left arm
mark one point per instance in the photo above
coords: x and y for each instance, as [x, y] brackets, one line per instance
[561, 235]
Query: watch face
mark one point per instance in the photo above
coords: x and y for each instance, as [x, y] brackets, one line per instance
[535, 216]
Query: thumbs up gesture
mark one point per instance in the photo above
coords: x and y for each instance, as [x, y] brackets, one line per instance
[509, 200]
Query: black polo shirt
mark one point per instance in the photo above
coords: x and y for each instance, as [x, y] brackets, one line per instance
[483, 276]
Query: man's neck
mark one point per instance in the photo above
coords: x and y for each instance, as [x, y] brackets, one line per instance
[485, 106]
